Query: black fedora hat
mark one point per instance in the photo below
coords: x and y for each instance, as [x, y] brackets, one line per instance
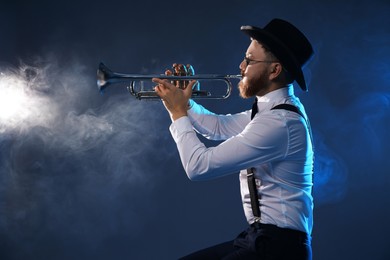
[287, 43]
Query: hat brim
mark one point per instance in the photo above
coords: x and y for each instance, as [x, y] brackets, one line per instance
[279, 49]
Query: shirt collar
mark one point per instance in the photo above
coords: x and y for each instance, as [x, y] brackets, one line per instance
[276, 94]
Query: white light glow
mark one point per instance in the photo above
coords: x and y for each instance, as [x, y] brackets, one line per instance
[11, 102]
[14, 100]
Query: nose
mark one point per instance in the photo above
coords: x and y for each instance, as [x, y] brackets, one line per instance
[242, 65]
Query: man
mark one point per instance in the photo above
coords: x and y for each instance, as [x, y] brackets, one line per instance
[274, 147]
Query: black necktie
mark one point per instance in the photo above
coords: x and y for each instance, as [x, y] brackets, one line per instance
[254, 109]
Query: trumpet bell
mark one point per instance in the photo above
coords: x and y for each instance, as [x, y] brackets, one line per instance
[102, 74]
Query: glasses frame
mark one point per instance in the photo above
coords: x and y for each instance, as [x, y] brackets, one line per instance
[249, 61]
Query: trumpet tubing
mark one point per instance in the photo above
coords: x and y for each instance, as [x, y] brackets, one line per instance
[106, 78]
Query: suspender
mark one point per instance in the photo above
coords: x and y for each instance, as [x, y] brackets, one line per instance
[253, 193]
[289, 108]
[250, 172]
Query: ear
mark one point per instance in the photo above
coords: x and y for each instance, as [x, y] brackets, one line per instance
[275, 70]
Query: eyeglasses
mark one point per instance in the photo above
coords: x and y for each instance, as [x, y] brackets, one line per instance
[250, 61]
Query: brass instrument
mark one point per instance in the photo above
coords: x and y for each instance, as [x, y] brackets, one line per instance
[106, 77]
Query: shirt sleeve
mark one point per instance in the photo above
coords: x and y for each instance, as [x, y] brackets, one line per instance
[217, 127]
[259, 142]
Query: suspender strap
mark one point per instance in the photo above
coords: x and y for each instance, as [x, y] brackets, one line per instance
[253, 193]
[289, 108]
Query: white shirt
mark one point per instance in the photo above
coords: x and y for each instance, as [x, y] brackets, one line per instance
[276, 143]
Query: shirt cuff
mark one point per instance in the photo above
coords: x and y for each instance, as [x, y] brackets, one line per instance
[179, 127]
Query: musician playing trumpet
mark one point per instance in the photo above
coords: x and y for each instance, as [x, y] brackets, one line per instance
[270, 145]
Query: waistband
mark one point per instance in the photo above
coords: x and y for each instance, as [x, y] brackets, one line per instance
[286, 233]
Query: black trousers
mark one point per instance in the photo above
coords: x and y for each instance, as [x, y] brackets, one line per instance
[260, 241]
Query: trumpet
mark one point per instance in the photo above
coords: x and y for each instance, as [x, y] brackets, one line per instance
[106, 78]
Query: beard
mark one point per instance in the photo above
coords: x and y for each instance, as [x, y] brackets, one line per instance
[250, 87]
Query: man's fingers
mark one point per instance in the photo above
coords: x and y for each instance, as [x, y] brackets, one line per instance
[188, 89]
[163, 82]
[160, 88]
[157, 80]
[164, 86]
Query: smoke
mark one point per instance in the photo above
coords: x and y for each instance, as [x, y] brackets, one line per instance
[330, 174]
[68, 154]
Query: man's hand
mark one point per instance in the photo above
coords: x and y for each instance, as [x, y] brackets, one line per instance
[175, 99]
[176, 94]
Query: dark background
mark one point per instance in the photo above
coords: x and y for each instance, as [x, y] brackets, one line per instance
[90, 176]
